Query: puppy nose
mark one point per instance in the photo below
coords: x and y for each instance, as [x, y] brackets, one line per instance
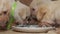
[0, 19]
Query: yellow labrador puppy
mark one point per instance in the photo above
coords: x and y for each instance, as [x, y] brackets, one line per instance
[49, 14]
[20, 13]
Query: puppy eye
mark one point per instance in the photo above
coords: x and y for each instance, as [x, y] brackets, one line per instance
[5, 12]
[33, 9]
[0, 14]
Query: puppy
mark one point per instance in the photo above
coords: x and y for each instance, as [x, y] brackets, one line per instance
[4, 13]
[21, 12]
[49, 14]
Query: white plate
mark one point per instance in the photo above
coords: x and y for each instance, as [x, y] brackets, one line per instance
[32, 29]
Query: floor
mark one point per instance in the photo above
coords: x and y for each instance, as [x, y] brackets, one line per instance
[13, 32]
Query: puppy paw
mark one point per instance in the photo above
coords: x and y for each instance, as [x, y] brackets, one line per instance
[46, 24]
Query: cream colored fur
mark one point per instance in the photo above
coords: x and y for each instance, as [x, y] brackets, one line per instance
[21, 10]
[52, 12]
[4, 12]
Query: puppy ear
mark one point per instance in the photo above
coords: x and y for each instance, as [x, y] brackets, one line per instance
[41, 12]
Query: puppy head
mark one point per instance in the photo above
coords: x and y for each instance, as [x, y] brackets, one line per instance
[4, 12]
